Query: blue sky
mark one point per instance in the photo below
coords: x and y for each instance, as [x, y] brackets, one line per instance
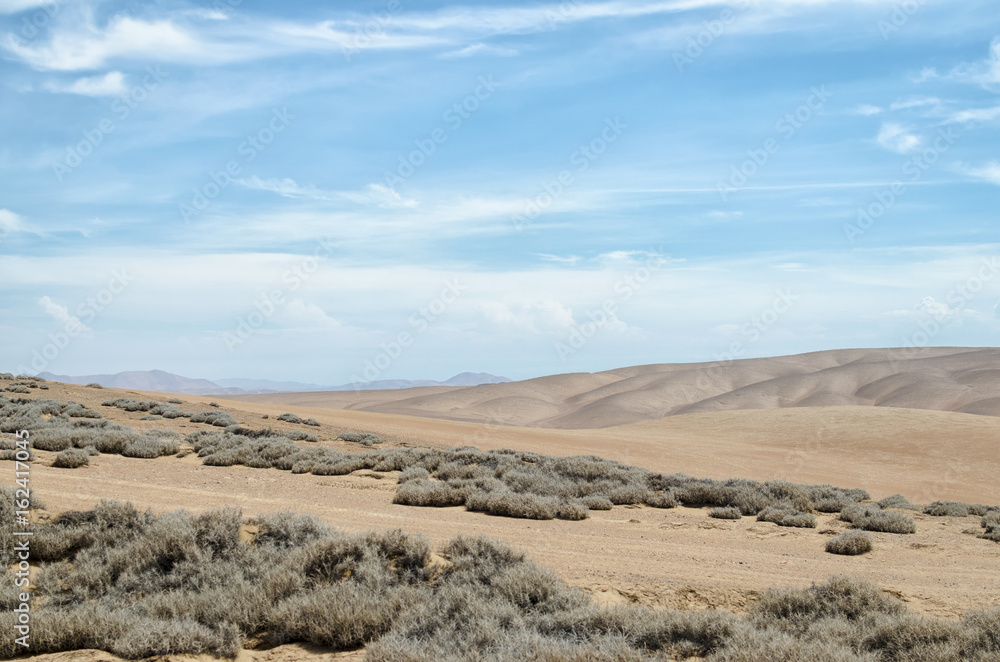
[326, 192]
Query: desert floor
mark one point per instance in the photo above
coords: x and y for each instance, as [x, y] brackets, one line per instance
[678, 557]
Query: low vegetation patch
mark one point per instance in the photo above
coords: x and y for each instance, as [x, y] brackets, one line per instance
[62, 427]
[139, 585]
[363, 438]
[872, 518]
[725, 513]
[154, 408]
[219, 419]
[786, 515]
[896, 501]
[850, 543]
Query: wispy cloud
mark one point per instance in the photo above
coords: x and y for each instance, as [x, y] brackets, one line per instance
[61, 314]
[976, 115]
[985, 73]
[866, 110]
[86, 46]
[562, 259]
[989, 172]
[111, 84]
[480, 48]
[895, 138]
[11, 222]
[914, 102]
[377, 194]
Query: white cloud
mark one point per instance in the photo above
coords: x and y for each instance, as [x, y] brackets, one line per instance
[532, 316]
[205, 38]
[85, 46]
[895, 138]
[976, 115]
[111, 84]
[571, 259]
[986, 73]
[287, 188]
[614, 259]
[372, 194]
[479, 48]
[383, 196]
[939, 310]
[724, 215]
[866, 110]
[61, 314]
[915, 102]
[11, 222]
[989, 172]
[301, 314]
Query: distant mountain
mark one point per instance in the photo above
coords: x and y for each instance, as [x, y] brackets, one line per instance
[165, 382]
[142, 380]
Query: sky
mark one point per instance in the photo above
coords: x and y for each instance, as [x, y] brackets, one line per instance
[342, 192]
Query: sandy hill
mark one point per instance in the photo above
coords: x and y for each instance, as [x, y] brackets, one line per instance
[965, 380]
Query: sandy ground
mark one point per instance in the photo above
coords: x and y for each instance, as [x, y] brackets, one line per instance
[678, 557]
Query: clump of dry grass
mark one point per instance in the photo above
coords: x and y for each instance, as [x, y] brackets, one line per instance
[850, 543]
[873, 518]
[72, 458]
[725, 513]
[787, 515]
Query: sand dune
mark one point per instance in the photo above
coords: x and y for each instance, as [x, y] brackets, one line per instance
[965, 380]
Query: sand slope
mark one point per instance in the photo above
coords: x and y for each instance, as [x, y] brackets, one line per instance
[965, 380]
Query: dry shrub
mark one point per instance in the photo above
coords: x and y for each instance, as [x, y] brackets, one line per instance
[873, 518]
[72, 458]
[850, 543]
[787, 515]
[725, 513]
[947, 509]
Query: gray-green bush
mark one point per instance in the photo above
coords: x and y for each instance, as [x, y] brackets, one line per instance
[71, 458]
[873, 518]
[363, 438]
[850, 543]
